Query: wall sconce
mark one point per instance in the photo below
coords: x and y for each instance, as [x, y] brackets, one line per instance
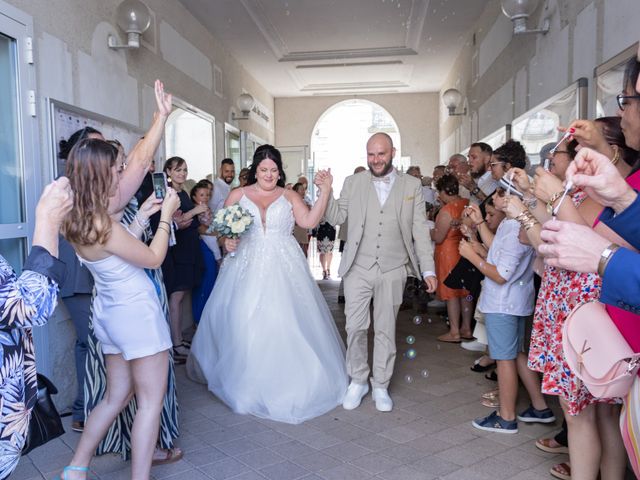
[519, 11]
[452, 99]
[134, 18]
[245, 104]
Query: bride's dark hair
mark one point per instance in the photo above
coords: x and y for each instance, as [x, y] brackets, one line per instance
[262, 153]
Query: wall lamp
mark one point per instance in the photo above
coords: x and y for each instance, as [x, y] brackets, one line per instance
[452, 99]
[133, 17]
[519, 11]
[245, 104]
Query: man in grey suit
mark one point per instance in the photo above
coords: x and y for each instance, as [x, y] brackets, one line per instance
[388, 240]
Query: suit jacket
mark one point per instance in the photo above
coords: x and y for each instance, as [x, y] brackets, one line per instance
[621, 281]
[410, 212]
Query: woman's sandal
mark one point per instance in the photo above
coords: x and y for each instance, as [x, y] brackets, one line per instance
[171, 455]
[71, 468]
[491, 394]
[491, 402]
[561, 471]
[544, 444]
[482, 368]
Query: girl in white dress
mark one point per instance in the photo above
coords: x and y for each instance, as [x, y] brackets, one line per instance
[128, 318]
[267, 343]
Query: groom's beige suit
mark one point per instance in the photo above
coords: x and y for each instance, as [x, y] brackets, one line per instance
[385, 243]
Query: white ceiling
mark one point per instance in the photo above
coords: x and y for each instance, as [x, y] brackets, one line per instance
[332, 47]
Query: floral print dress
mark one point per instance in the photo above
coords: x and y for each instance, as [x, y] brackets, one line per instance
[560, 292]
[25, 301]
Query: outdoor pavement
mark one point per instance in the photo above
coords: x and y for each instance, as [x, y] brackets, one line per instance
[428, 435]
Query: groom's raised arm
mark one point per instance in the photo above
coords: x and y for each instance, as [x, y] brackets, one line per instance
[420, 233]
[337, 210]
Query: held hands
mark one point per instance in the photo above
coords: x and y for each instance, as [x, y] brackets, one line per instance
[163, 100]
[323, 180]
[546, 184]
[600, 179]
[55, 202]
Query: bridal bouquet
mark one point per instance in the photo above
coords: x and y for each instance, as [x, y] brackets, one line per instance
[232, 222]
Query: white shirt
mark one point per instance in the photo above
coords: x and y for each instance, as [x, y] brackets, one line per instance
[514, 262]
[221, 191]
[429, 195]
[384, 188]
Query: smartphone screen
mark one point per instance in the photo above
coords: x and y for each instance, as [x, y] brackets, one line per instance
[159, 184]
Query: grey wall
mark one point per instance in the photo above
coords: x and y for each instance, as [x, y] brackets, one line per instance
[515, 74]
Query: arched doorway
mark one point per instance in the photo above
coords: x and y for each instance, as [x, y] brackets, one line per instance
[339, 138]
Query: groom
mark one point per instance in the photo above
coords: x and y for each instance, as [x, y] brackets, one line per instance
[388, 239]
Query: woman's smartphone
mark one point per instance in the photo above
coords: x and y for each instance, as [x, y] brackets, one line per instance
[159, 184]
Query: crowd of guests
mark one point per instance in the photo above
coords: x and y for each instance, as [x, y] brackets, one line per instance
[517, 249]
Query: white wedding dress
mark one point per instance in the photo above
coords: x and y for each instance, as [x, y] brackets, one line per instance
[267, 343]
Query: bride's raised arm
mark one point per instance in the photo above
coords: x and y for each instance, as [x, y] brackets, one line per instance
[309, 218]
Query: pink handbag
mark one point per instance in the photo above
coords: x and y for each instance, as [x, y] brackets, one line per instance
[597, 353]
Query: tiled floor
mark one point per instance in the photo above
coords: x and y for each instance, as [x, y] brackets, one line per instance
[428, 435]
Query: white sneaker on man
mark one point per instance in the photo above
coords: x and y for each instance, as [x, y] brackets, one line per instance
[382, 399]
[354, 395]
[474, 346]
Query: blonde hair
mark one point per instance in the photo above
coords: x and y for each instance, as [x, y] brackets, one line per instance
[89, 171]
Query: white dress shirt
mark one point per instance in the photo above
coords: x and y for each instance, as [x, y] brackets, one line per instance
[514, 262]
[221, 191]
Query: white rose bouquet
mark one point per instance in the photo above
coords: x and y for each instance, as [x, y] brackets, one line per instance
[231, 222]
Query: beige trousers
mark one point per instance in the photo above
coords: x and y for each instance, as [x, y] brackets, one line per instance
[386, 289]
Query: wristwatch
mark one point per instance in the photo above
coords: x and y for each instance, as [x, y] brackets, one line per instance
[605, 256]
[475, 191]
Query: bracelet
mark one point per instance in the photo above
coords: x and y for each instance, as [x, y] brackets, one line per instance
[605, 257]
[164, 229]
[475, 191]
[142, 225]
[554, 198]
[480, 223]
[163, 221]
[616, 155]
[531, 202]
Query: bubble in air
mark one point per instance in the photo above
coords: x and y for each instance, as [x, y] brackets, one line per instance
[411, 353]
[469, 298]
[408, 378]
[429, 320]
[417, 320]
[411, 339]
[424, 373]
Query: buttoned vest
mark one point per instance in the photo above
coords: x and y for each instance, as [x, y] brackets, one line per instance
[381, 240]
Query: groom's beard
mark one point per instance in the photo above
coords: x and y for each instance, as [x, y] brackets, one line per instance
[387, 169]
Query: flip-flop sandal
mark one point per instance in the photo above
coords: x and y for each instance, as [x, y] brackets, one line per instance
[544, 444]
[448, 339]
[493, 376]
[561, 471]
[491, 402]
[491, 394]
[171, 455]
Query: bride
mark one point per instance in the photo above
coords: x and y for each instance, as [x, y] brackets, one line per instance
[267, 343]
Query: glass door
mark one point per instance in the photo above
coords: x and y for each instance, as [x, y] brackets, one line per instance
[14, 226]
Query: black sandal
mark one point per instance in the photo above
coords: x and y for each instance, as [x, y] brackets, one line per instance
[482, 368]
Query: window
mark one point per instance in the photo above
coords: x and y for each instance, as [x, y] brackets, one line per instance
[189, 134]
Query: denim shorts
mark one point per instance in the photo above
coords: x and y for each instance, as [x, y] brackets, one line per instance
[506, 335]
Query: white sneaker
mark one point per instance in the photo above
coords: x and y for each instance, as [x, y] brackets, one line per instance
[354, 395]
[474, 346]
[382, 399]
